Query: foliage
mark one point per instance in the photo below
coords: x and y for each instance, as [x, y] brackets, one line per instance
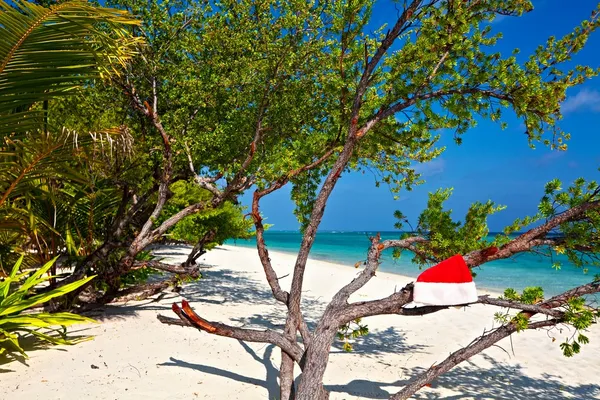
[15, 303]
[447, 237]
[530, 295]
[578, 314]
[49, 200]
[444, 76]
[351, 331]
[138, 275]
[214, 80]
[47, 52]
[220, 73]
[581, 317]
[227, 221]
[579, 240]
[262, 89]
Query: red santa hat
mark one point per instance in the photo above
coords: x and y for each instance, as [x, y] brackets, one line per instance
[446, 284]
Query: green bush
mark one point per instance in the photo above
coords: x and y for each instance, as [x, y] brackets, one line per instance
[16, 301]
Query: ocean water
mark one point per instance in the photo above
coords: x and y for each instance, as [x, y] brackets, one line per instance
[350, 247]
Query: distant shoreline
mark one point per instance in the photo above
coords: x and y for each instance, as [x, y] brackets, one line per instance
[491, 290]
[347, 248]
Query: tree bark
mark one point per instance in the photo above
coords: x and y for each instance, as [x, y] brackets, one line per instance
[317, 358]
[198, 249]
[286, 377]
[142, 292]
[188, 317]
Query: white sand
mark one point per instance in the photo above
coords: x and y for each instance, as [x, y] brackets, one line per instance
[139, 358]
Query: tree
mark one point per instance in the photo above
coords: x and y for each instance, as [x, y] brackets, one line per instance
[203, 230]
[46, 53]
[50, 53]
[198, 102]
[434, 69]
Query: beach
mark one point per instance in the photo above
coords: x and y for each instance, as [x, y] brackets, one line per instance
[518, 272]
[134, 356]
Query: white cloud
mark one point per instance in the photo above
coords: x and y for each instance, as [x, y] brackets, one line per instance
[585, 100]
[548, 158]
[431, 168]
[499, 18]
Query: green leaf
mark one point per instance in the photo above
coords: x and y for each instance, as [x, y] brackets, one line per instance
[43, 298]
[48, 52]
[583, 339]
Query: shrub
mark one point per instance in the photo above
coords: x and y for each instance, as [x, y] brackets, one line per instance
[16, 302]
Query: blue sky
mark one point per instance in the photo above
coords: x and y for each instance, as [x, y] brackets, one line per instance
[491, 163]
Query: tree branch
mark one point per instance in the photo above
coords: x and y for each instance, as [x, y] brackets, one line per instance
[341, 297]
[122, 223]
[141, 292]
[394, 304]
[208, 184]
[531, 238]
[198, 248]
[168, 223]
[398, 28]
[395, 108]
[174, 269]
[489, 339]
[188, 318]
[263, 253]
[477, 346]
[535, 308]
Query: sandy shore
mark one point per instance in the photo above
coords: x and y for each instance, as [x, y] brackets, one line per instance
[133, 356]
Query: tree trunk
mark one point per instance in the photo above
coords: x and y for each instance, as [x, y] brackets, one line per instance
[112, 274]
[143, 291]
[317, 357]
[198, 249]
[286, 378]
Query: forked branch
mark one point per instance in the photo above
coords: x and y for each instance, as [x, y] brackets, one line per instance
[189, 318]
[477, 346]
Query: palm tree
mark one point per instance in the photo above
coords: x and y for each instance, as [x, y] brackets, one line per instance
[50, 52]
[46, 204]
[45, 53]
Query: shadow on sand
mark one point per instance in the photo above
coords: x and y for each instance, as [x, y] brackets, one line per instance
[389, 341]
[31, 344]
[500, 381]
[497, 381]
[270, 382]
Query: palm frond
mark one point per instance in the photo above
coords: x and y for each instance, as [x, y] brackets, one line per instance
[50, 52]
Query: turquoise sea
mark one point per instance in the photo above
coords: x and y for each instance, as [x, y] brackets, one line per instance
[349, 247]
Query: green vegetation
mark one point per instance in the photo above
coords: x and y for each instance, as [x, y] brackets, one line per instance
[578, 239]
[16, 300]
[47, 53]
[47, 201]
[46, 204]
[225, 222]
[120, 132]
